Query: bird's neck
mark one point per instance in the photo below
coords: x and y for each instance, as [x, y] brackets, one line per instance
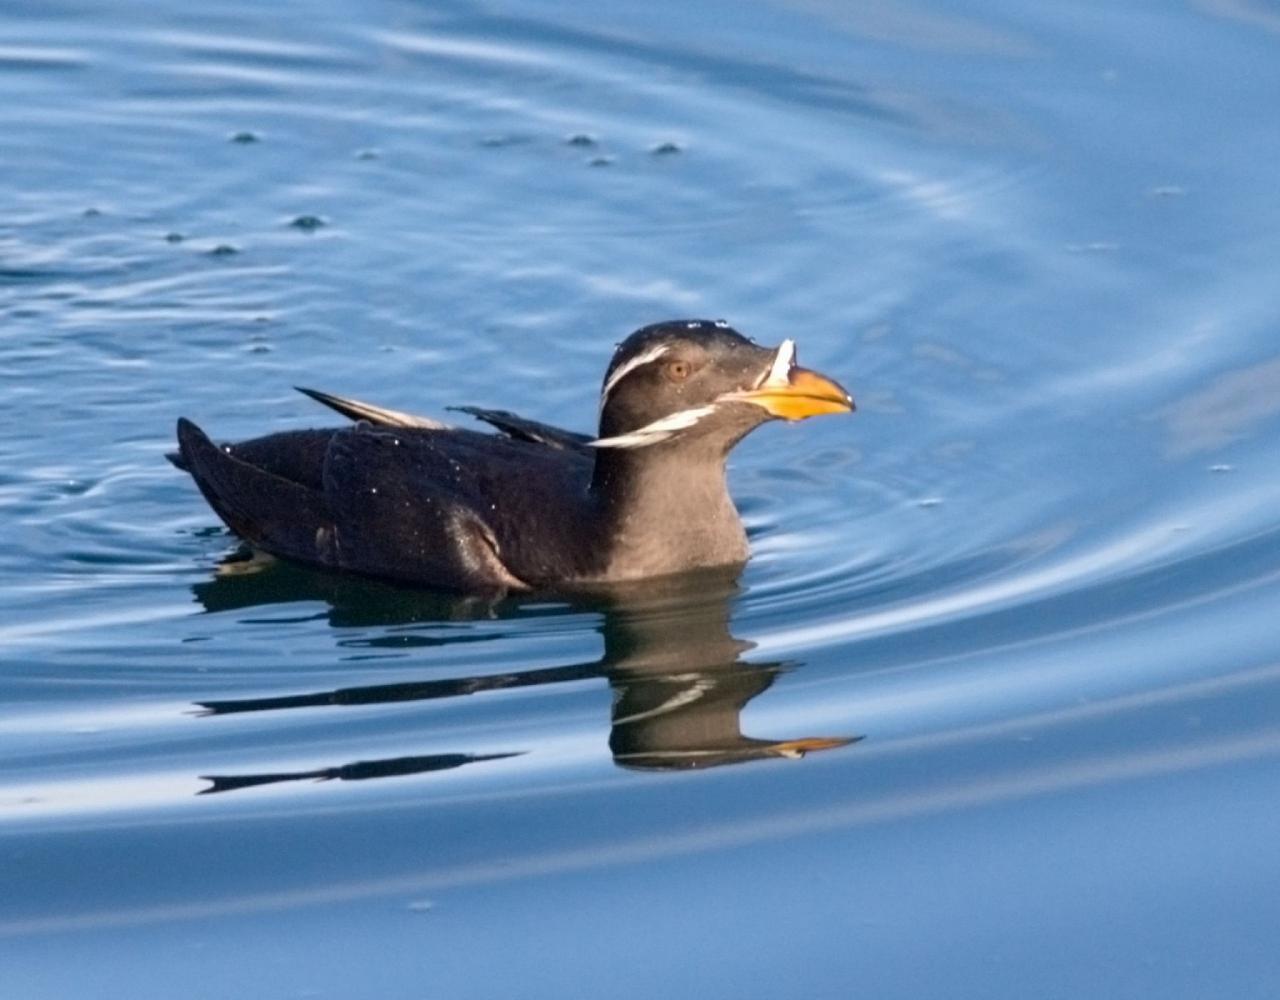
[665, 509]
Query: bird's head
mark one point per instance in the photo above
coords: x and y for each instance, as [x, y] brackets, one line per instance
[700, 380]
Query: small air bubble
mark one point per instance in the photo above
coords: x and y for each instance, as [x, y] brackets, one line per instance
[499, 141]
[929, 502]
[1222, 467]
[421, 906]
[308, 223]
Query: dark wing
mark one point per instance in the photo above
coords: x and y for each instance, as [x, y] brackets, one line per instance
[377, 415]
[403, 509]
[400, 494]
[297, 456]
[281, 515]
[511, 424]
[523, 429]
[395, 505]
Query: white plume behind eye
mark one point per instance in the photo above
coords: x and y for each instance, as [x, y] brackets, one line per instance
[627, 367]
[659, 430]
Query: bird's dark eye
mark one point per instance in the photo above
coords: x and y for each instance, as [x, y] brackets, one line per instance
[678, 371]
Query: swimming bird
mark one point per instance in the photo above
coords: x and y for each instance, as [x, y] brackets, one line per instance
[535, 508]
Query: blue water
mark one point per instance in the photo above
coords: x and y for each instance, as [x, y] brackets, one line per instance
[1028, 592]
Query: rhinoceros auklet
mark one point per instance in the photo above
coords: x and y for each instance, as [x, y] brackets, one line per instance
[536, 508]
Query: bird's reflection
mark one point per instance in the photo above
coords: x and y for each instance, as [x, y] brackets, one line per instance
[359, 771]
[678, 679]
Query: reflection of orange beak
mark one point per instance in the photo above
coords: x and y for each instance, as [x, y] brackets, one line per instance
[795, 749]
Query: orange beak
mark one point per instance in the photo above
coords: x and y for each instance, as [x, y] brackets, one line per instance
[804, 394]
[793, 393]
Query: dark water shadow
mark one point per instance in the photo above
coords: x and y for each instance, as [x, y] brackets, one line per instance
[352, 602]
[676, 671]
[360, 770]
